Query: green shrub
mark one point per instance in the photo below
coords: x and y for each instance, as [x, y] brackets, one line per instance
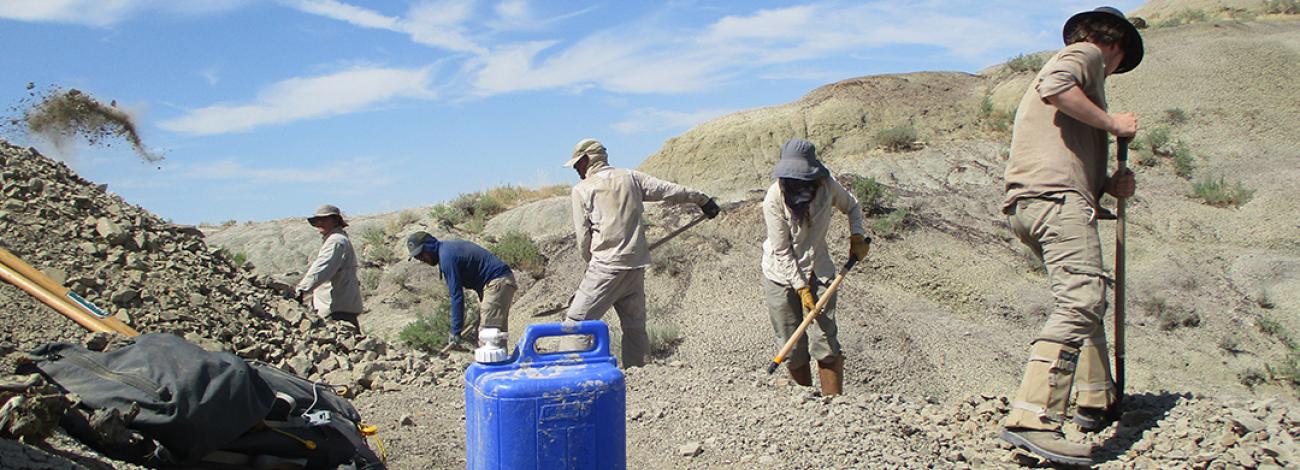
[1169, 317]
[1219, 193]
[892, 224]
[377, 247]
[1026, 63]
[1175, 116]
[239, 258]
[519, 251]
[471, 211]
[446, 216]
[429, 330]
[1155, 140]
[1283, 7]
[897, 138]
[1272, 328]
[1184, 16]
[370, 278]
[873, 196]
[664, 337]
[403, 219]
[993, 118]
[1181, 157]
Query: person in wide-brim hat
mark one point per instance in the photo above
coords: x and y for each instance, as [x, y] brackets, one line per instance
[1055, 179]
[1131, 41]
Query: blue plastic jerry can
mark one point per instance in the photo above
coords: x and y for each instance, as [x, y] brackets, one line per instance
[547, 411]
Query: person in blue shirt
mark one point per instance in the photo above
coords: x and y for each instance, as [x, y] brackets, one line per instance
[465, 265]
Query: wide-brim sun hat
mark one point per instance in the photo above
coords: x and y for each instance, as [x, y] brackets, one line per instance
[1133, 49]
[586, 148]
[799, 161]
[328, 210]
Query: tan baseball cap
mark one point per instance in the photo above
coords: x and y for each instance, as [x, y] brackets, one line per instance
[591, 148]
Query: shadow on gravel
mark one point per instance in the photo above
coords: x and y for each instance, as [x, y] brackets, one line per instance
[19, 456]
[1142, 412]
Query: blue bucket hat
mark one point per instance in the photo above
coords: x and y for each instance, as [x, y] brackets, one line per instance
[799, 161]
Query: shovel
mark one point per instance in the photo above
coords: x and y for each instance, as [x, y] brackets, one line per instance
[1122, 164]
[817, 310]
[661, 241]
[17, 272]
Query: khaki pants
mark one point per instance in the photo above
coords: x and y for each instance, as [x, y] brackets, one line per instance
[623, 290]
[1061, 230]
[494, 309]
[786, 312]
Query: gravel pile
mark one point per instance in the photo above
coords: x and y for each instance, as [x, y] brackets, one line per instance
[157, 277]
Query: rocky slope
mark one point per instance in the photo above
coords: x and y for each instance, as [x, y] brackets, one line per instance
[935, 324]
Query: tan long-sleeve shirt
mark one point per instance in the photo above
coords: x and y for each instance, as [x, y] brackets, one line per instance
[333, 276]
[607, 209]
[790, 249]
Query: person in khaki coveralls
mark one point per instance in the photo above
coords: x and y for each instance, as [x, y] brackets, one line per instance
[797, 212]
[332, 276]
[607, 208]
[1054, 179]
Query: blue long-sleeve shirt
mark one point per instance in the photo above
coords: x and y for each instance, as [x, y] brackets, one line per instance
[465, 265]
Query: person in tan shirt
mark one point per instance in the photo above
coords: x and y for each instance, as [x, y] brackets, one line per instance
[797, 213]
[332, 276]
[1054, 179]
[607, 209]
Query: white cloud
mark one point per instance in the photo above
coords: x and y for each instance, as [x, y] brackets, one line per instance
[438, 24]
[104, 12]
[649, 58]
[87, 12]
[211, 74]
[655, 120]
[307, 98]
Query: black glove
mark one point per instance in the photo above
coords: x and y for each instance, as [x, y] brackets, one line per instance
[711, 209]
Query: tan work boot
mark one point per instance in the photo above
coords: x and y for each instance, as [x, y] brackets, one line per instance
[831, 375]
[801, 375]
[1050, 445]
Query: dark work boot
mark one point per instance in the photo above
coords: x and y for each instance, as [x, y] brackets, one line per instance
[1050, 445]
[1092, 419]
[801, 375]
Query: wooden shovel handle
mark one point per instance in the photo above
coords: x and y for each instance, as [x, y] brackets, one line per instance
[807, 319]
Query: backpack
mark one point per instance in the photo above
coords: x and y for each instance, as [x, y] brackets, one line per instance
[207, 410]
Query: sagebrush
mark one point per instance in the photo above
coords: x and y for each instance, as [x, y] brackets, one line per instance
[1220, 193]
[897, 138]
[429, 331]
[519, 251]
[471, 211]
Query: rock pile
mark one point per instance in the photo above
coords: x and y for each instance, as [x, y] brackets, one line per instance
[157, 277]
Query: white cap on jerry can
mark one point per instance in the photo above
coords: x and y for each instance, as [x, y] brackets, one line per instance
[491, 346]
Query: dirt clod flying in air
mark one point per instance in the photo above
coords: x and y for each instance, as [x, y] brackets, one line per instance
[61, 116]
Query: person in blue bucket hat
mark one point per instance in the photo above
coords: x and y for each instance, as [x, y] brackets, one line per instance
[1055, 177]
[465, 265]
[797, 211]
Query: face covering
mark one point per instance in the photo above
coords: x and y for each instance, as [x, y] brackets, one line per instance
[798, 196]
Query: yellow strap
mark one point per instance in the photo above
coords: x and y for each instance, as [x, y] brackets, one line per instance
[372, 432]
[308, 443]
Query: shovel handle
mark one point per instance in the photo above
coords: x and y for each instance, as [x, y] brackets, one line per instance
[807, 319]
[1121, 155]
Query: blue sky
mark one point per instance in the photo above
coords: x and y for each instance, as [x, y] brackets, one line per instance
[266, 109]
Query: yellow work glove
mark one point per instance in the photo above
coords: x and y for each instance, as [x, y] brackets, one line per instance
[859, 246]
[805, 296]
